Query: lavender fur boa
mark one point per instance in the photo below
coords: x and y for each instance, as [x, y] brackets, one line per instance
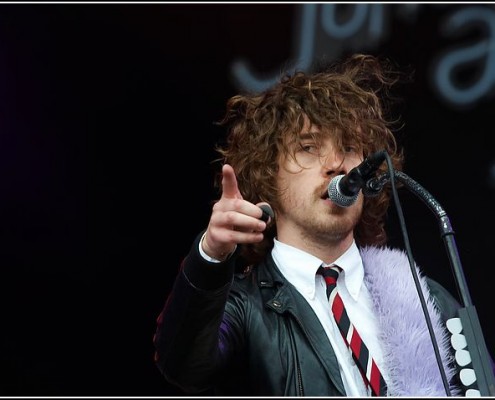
[408, 352]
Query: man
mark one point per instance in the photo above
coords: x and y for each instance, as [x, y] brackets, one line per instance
[251, 312]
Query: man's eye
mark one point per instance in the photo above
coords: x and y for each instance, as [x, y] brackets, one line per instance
[309, 148]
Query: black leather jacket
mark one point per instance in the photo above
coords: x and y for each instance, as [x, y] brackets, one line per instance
[248, 334]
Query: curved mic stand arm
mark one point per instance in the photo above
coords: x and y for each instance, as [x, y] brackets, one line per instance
[469, 321]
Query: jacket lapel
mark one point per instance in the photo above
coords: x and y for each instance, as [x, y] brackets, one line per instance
[288, 300]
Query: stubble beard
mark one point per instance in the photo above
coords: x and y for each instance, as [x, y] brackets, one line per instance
[325, 226]
[331, 229]
[331, 224]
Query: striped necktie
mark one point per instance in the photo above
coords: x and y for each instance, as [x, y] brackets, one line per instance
[370, 372]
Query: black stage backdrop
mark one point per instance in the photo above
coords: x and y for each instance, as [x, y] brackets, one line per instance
[107, 130]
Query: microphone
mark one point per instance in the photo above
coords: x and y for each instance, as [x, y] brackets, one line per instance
[343, 190]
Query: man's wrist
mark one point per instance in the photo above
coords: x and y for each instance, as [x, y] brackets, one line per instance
[207, 257]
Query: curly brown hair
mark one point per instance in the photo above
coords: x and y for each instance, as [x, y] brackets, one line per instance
[346, 99]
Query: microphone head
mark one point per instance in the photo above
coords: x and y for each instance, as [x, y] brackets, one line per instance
[336, 195]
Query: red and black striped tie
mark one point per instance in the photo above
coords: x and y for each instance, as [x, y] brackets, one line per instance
[371, 374]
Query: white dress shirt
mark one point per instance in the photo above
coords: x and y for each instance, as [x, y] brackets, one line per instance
[299, 268]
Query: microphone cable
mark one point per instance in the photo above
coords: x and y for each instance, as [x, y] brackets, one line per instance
[405, 235]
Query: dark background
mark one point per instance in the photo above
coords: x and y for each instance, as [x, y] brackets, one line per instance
[106, 136]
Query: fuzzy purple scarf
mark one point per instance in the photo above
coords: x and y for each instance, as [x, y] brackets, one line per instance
[408, 352]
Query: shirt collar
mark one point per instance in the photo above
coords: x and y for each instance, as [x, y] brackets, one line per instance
[352, 264]
[299, 267]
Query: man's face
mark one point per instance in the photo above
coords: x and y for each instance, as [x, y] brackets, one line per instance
[306, 212]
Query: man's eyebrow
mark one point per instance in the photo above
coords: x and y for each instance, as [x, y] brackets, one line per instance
[307, 135]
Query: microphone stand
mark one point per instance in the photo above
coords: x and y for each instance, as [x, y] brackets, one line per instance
[468, 316]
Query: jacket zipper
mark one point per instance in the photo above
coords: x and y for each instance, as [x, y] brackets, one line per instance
[298, 367]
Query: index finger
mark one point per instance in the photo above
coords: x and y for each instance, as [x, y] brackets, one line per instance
[229, 183]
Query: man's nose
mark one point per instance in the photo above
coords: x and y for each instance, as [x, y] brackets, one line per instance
[333, 163]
